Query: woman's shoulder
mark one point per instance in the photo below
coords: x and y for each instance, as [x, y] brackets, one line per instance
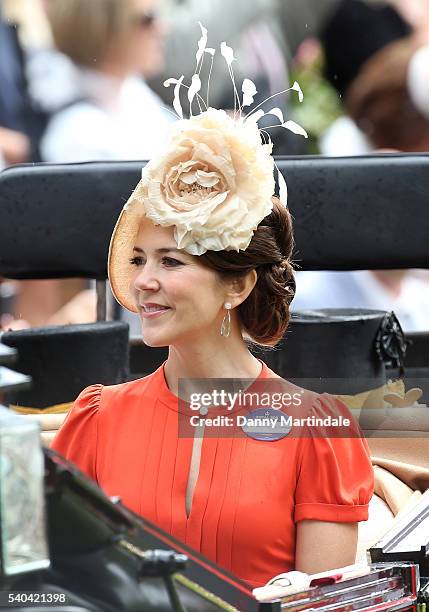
[306, 403]
[132, 387]
[109, 397]
[315, 397]
[99, 404]
[280, 383]
[76, 132]
[77, 113]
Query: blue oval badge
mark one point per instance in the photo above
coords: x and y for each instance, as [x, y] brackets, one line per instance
[266, 424]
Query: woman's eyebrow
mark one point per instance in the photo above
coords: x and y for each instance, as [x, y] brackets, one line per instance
[161, 250]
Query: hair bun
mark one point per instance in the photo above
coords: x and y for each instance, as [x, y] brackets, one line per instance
[283, 273]
[264, 315]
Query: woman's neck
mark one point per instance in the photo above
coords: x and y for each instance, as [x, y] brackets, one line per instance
[114, 70]
[229, 359]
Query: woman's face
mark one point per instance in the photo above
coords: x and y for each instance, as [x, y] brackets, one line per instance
[144, 44]
[179, 300]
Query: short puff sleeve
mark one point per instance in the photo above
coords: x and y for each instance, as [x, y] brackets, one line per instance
[76, 439]
[335, 479]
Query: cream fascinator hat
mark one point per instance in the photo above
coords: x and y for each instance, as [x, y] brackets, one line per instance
[213, 183]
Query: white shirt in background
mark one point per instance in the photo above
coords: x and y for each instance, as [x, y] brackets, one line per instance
[128, 123]
[96, 117]
[361, 289]
[344, 138]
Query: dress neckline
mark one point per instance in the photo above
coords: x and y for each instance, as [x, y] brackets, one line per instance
[172, 401]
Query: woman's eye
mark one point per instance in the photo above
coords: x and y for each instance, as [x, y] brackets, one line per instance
[170, 262]
[136, 261]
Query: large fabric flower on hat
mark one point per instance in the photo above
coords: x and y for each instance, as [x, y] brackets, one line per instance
[213, 184]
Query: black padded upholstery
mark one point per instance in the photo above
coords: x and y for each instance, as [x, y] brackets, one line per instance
[350, 213]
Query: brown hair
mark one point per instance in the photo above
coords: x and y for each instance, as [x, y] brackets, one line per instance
[265, 314]
[84, 29]
[379, 102]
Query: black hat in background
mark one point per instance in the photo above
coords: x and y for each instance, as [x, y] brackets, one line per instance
[355, 32]
[62, 360]
[338, 350]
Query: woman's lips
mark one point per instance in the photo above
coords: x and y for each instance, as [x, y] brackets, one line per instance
[153, 311]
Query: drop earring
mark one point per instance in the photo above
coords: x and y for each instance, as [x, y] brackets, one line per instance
[225, 328]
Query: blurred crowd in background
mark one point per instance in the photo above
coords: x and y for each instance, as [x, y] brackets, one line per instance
[82, 80]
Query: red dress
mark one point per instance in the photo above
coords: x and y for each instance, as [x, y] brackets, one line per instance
[249, 493]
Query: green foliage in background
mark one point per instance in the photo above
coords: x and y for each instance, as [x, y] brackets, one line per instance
[321, 105]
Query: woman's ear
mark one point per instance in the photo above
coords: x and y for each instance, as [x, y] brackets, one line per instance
[239, 288]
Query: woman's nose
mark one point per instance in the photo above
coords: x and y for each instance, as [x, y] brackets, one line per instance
[146, 279]
[163, 26]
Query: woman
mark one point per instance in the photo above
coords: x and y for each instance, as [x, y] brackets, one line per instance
[202, 252]
[381, 79]
[101, 109]
[104, 109]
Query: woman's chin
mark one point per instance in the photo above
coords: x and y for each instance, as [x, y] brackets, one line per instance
[155, 342]
[156, 333]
